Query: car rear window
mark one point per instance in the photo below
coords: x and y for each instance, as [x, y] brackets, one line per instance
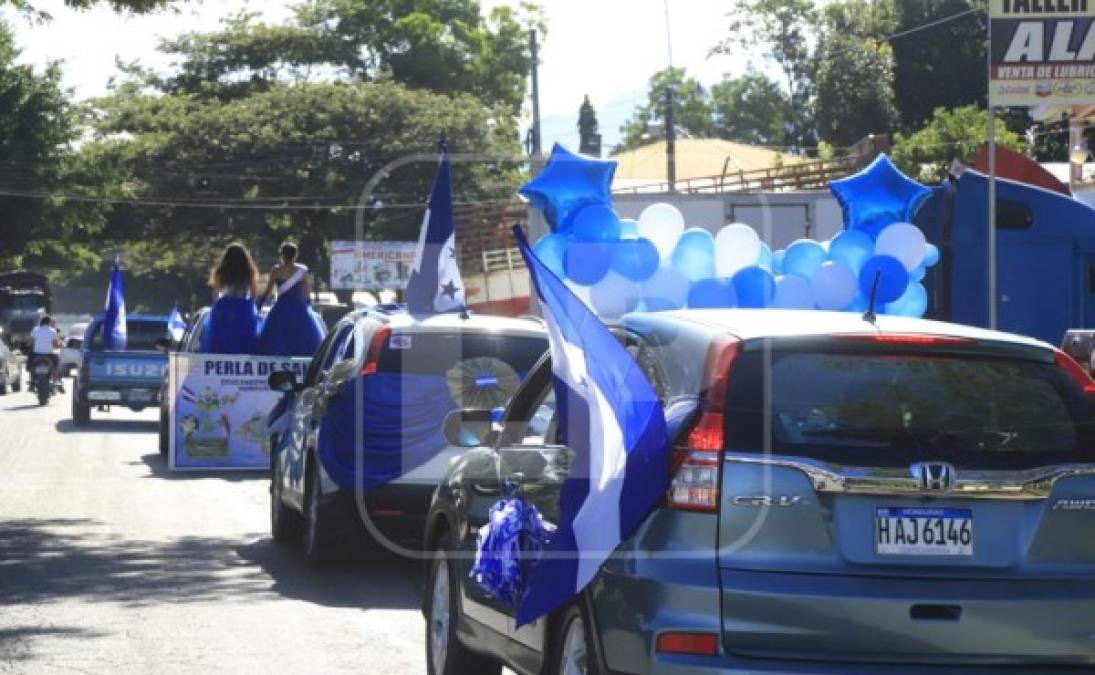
[893, 409]
[140, 335]
[437, 353]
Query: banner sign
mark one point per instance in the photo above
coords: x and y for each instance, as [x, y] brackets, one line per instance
[1042, 52]
[218, 406]
[371, 265]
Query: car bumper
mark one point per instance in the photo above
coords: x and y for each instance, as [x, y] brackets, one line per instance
[396, 513]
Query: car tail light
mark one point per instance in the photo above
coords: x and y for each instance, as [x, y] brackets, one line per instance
[1077, 371]
[372, 357]
[700, 644]
[695, 462]
[915, 339]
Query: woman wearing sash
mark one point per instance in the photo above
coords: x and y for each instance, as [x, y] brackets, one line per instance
[232, 325]
[292, 328]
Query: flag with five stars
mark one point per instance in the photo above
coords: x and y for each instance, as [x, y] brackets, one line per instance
[435, 284]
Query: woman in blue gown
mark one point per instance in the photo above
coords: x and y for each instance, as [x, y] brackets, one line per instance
[233, 324]
[292, 328]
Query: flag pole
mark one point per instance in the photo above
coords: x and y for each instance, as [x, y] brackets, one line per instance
[991, 131]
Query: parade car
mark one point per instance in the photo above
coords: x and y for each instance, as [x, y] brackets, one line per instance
[129, 377]
[847, 496]
[70, 353]
[439, 363]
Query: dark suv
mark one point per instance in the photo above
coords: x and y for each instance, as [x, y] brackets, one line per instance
[847, 497]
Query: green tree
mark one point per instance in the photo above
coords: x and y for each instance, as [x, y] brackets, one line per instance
[749, 109]
[590, 139]
[135, 6]
[942, 66]
[783, 28]
[37, 128]
[951, 134]
[692, 110]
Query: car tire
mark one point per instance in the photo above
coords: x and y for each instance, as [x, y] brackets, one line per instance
[4, 389]
[165, 433]
[17, 385]
[285, 524]
[316, 533]
[81, 412]
[571, 649]
[445, 654]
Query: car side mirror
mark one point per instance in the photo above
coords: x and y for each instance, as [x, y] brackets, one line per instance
[469, 428]
[284, 381]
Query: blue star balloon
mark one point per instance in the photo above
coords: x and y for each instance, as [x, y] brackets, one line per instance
[878, 196]
[567, 183]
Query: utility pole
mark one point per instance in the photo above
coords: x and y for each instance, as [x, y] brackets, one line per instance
[534, 51]
[670, 141]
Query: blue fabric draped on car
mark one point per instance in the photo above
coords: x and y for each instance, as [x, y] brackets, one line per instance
[402, 427]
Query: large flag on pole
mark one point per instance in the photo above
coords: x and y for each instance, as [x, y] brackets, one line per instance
[611, 418]
[114, 331]
[435, 284]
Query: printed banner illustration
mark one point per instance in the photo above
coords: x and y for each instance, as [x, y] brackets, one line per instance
[371, 265]
[1042, 52]
[218, 406]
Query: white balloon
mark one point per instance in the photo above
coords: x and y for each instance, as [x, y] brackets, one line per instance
[614, 296]
[662, 224]
[736, 246]
[903, 241]
[581, 291]
[665, 289]
[793, 292]
[834, 285]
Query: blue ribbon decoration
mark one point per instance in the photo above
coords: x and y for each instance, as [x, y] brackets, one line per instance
[508, 546]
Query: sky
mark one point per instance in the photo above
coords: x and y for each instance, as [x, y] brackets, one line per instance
[607, 49]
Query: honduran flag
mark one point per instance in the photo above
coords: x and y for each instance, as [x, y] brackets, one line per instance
[611, 418]
[114, 330]
[176, 327]
[435, 284]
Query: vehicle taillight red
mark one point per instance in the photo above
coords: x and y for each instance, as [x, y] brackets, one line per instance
[1077, 371]
[695, 461]
[372, 357]
[912, 339]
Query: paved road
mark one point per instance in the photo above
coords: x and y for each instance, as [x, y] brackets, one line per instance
[110, 564]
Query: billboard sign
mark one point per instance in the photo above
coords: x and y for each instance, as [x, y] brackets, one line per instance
[371, 265]
[1042, 52]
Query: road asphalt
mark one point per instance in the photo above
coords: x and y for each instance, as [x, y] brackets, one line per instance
[109, 563]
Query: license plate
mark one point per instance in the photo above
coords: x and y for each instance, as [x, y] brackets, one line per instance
[104, 396]
[42, 370]
[140, 396]
[926, 531]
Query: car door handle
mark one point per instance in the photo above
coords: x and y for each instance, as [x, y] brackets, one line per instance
[486, 489]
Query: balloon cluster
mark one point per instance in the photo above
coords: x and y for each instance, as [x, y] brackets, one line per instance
[617, 265]
[655, 263]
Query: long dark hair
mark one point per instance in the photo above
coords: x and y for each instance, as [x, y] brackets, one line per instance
[235, 269]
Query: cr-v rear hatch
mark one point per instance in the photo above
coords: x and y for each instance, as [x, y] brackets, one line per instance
[908, 500]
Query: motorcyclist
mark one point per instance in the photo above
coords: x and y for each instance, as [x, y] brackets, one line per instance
[45, 341]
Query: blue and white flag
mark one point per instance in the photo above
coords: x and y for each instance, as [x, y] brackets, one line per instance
[176, 327]
[435, 284]
[611, 418]
[114, 331]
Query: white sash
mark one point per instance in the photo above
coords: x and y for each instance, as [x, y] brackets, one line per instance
[292, 280]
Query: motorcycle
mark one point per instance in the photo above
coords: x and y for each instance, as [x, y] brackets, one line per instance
[41, 379]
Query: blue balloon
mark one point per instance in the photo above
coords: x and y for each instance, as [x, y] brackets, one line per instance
[567, 183]
[550, 250]
[636, 259]
[595, 222]
[878, 196]
[803, 258]
[694, 254]
[711, 294]
[918, 273]
[766, 257]
[853, 248]
[586, 263]
[892, 281]
[666, 289]
[913, 302]
[777, 261]
[755, 286]
[858, 305]
[629, 228]
[931, 256]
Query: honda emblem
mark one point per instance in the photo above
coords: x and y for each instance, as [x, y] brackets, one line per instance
[934, 476]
